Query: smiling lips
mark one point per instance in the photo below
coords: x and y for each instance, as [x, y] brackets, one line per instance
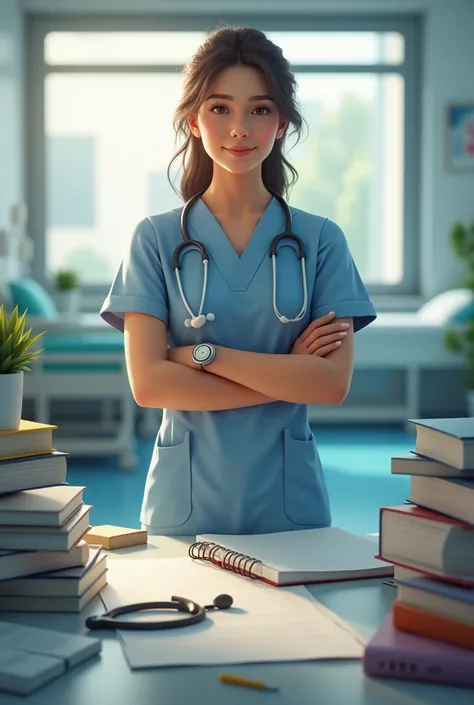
[239, 151]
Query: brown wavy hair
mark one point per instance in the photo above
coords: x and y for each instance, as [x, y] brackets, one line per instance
[223, 48]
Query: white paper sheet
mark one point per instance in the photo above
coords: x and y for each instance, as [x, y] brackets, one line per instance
[265, 624]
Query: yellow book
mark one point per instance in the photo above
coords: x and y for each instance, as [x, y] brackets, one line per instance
[31, 438]
[111, 537]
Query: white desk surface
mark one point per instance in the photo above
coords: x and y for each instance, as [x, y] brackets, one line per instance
[107, 680]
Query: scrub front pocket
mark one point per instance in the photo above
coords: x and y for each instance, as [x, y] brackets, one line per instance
[167, 496]
[306, 498]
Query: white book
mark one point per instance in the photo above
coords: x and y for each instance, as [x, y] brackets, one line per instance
[28, 603]
[22, 673]
[71, 582]
[39, 655]
[17, 564]
[47, 506]
[47, 538]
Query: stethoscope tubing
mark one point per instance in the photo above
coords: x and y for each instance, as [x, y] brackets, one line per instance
[197, 321]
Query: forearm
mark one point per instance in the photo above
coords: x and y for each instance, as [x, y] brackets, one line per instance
[174, 386]
[301, 379]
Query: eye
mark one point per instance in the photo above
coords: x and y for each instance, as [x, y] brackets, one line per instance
[217, 109]
[264, 108]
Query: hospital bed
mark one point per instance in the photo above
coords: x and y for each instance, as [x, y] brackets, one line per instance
[399, 344]
[83, 360]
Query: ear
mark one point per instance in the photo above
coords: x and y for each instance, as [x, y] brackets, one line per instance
[193, 126]
[282, 125]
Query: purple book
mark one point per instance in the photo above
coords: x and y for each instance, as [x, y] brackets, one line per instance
[395, 654]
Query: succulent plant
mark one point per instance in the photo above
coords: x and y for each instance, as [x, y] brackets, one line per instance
[16, 344]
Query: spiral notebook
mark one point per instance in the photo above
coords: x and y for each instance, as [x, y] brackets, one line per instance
[293, 557]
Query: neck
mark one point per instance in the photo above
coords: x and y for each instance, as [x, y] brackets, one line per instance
[232, 195]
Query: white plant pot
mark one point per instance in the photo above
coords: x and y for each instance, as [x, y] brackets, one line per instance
[470, 402]
[68, 302]
[11, 401]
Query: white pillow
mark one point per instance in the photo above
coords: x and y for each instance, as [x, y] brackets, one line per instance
[442, 309]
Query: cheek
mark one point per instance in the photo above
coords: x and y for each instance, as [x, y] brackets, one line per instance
[211, 130]
[266, 130]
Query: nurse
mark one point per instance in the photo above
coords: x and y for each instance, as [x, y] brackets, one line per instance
[235, 453]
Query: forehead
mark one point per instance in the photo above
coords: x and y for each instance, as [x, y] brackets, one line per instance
[239, 81]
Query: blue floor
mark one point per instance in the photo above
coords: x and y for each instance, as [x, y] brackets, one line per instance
[356, 464]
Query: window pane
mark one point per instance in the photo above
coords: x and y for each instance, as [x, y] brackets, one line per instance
[109, 140]
[121, 47]
[341, 47]
[351, 165]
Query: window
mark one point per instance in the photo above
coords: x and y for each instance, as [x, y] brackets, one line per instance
[101, 136]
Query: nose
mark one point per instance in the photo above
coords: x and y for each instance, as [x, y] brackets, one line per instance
[239, 130]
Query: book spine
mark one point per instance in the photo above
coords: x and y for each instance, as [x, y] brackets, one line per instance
[223, 558]
[395, 663]
[434, 626]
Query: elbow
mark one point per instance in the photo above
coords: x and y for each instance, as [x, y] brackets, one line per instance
[147, 384]
[143, 402]
[141, 396]
[332, 395]
[143, 392]
[339, 395]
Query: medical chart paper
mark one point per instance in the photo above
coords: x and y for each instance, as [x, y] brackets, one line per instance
[265, 624]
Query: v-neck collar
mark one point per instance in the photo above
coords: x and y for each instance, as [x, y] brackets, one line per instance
[237, 271]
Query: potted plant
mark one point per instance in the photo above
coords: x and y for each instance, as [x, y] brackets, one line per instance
[461, 340]
[68, 293]
[16, 353]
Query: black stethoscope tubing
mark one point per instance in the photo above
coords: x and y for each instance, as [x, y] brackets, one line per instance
[194, 614]
[273, 250]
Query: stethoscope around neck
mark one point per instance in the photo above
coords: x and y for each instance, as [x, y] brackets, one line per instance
[200, 319]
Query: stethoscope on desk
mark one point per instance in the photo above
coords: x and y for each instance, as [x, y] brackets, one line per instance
[199, 320]
[194, 614]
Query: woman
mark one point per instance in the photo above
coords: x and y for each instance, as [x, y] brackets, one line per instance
[235, 453]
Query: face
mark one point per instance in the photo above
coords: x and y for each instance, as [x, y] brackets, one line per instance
[238, 122]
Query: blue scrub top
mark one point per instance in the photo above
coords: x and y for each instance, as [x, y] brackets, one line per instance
[255, 469]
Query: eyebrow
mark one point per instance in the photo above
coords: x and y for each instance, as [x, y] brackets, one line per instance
[224, 96]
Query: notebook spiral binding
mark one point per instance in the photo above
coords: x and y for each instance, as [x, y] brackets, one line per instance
[221, 556]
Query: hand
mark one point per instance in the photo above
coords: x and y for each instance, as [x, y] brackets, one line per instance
[320, 337]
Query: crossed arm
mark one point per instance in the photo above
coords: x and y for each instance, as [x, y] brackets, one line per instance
[169, 379]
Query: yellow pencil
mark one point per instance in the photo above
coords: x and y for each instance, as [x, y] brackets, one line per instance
[244, 682]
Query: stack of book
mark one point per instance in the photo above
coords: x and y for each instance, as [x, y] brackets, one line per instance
[45, 564]
[430, 541]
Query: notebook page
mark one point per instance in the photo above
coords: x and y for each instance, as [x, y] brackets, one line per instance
[310, 550]
[263, 625]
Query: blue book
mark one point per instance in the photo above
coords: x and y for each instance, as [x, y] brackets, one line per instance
[442, 588]
[449, 441]
[32, 472]
[454, 602]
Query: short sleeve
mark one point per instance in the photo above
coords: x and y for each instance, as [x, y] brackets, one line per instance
[139, 284]
[338, 286]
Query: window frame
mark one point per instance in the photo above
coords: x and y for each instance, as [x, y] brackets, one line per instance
[409, 25]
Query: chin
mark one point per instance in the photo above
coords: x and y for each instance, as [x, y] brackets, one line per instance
[241, 168]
